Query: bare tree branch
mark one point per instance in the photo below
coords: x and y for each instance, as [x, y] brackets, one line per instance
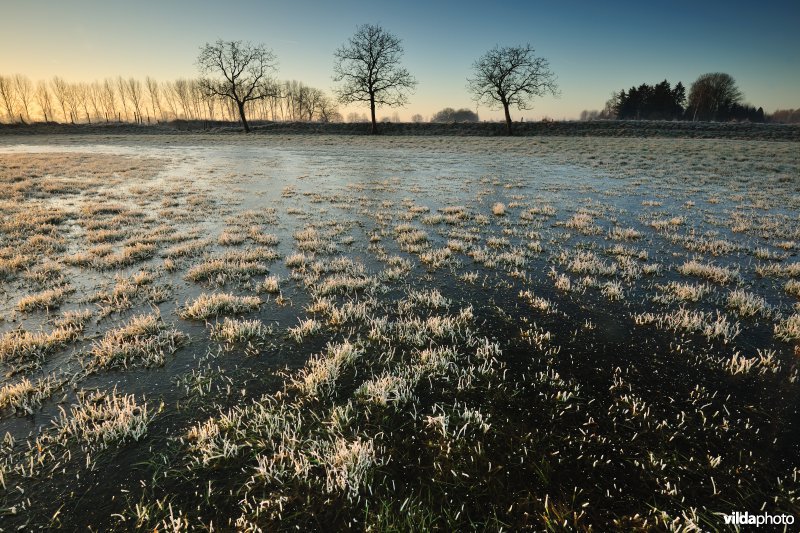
[511, 76]
[368, 70]
[237, 71]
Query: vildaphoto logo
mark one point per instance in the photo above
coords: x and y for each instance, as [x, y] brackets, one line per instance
[764, 519]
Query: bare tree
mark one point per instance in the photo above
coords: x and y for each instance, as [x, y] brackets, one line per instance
[24, 89]
[511, 76]
[368, 68]
[81, 94]
[155, 97]
[44, 101]
[109, 99]
[73, 97]
[712, 92]
[61, 93]
[327, 111]
[169, 101]
[211, 107]
[122, 91]
[237, 71]
[133, 89]
[95, 94]
[182, 93]
[7, 96]
[197, 98]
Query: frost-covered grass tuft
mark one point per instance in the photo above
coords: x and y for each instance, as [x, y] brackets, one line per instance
[319, 375]
[24, 345]
[48, 299]
[747, 304]
[681, 292]
[711, 325]
[708, 271]
[100, 420]
[305, 328]
[270, 285]
[789, 328]
[25, 395]
[210, 305]
[144, 341]
[249, 333]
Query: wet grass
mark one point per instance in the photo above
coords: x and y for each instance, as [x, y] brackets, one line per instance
[546, 334]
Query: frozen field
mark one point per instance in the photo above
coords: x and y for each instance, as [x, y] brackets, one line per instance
[394, 333]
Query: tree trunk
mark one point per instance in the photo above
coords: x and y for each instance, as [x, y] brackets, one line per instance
[372, 110]
[508, 118]
[244, 120]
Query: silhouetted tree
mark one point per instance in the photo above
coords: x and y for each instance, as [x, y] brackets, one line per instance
[236, 71]
[24, 89]
[649, 102]
[368, 70]
[7, 97]
[60, 91]
[511, 76]
[785, 116]
[448, 114]
[109, 100]
[712, 96]
[44, 101]
[155, 96]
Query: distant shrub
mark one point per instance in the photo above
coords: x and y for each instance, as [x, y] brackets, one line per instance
[449, 114]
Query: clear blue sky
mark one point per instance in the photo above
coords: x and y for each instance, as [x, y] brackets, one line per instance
[594, 48]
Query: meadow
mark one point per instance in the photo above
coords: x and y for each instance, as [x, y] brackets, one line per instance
[397, 333]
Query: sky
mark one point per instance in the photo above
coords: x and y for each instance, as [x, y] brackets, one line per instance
[594, 48]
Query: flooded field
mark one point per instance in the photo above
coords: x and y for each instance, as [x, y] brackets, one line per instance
[281, 332]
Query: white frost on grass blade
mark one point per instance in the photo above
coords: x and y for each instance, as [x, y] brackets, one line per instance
[747, 304]
[270, 285]
[347, 465]
[680, 292]
[48, 299]
[789, 328]
[249, 335]
[20, 344]
[342, 284]
[763, 362]
[612, 290]
[221, 271]
[211, 305]
[99, 420]
[793, 287]
[304, 329]
[388, 389]
[710, 325]
[25, 396]
[709, 271]
[145, 341]
[318, 377]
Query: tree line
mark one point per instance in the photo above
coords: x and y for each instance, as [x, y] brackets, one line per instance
[236, 83]
[150, 101]
[368, 70]
[712, 97]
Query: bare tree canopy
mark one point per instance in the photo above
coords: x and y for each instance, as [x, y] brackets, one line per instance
[712, 93]
[238, 71]
[511, 76]
[7, 97]
[368, 70]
